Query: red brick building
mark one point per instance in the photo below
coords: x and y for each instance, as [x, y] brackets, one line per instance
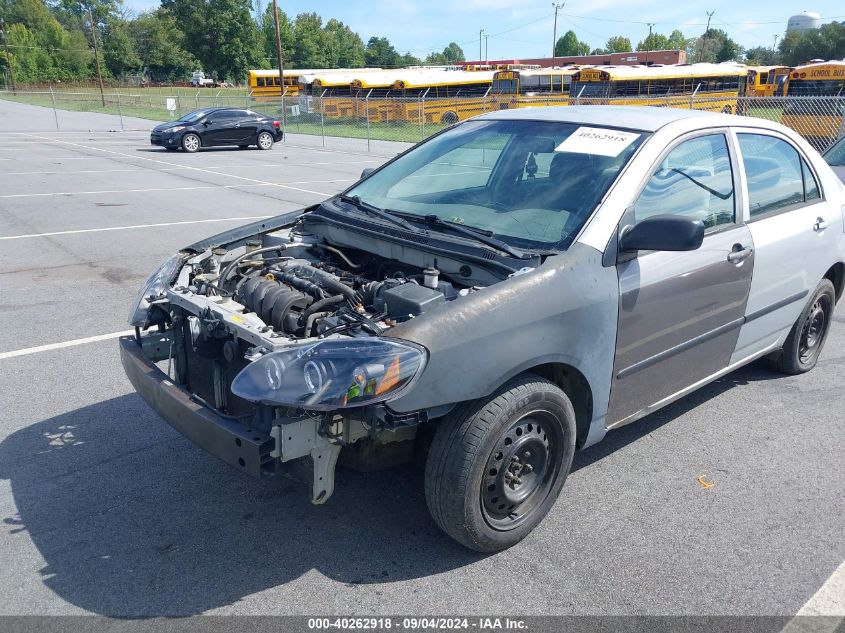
[612, 59]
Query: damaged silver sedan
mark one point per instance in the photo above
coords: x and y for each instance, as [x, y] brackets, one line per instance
[499, 296]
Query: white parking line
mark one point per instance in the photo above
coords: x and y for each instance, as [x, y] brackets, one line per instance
[162, 162]
[79, 341]
[133, 226]
[828, 601]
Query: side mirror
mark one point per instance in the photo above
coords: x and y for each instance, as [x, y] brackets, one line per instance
[207, 122]
[662, 233]
[367, 171]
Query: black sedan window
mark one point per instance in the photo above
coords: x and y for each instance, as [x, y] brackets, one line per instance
[835, 155]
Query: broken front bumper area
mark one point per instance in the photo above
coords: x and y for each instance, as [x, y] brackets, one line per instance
[253, 451]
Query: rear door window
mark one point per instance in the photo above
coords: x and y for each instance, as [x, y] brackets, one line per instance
[775, 174]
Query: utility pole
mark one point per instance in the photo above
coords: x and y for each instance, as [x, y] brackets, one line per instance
[648, 46]
[480, 35]
[97, 56]
[279, 59]
[485, 47]
[704, 37]
[8, 56]
[775, 43]
[554, 30]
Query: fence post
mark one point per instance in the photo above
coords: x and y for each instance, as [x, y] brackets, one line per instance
[55, 114]
[367, 112]
[421, 112]
[197, 99]
[322, 123]
[120, 111]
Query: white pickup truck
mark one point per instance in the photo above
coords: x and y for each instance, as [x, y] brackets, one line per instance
[199, 80]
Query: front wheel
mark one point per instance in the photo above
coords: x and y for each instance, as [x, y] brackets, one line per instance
[191, 143]
[496, 466]
[804, 344]
[265, 140]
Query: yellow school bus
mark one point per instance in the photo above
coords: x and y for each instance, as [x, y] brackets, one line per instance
[266, 83]
[815, 103]
[713, 87]
[532, 87]
[766, 81]
[441, 96]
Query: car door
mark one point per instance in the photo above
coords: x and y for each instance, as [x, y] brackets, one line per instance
[247, 127]
[793, 231]
[680, 312]
[219, 127]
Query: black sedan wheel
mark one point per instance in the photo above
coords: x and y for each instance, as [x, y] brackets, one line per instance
[265, 140]
[804, 344]
[191, 143]
[496, 466]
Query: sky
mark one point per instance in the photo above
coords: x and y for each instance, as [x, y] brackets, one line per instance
[523, 28]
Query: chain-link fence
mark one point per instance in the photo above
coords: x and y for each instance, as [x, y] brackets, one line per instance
[819, 119]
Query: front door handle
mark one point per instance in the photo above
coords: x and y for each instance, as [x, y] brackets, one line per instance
[237, 125]
[821, 224]
[739, 254]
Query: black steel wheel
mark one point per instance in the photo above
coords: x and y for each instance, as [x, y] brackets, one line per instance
[520, 470]
[806, 340]
[496, 466]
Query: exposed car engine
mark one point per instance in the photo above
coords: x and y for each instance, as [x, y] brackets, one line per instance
[318, 290]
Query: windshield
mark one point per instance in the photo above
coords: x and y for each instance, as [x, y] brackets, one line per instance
[196, 115]
[532, 184]
[835, 155]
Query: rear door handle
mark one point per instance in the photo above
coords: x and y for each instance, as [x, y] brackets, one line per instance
[821, 224]
[739, 254]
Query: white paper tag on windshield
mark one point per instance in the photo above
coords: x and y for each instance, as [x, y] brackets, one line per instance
[597, 140]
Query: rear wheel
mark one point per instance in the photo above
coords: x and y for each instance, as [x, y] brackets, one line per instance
[449, 118]
[264, 140]
[191, 143]
[804, 344]
[496, 466]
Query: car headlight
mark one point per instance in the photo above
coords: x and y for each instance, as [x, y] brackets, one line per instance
[178, 128]
[332, 374]
[154, 288]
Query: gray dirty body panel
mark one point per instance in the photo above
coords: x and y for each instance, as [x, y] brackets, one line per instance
[565, 311]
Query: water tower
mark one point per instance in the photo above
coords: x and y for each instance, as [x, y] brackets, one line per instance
[805, 21]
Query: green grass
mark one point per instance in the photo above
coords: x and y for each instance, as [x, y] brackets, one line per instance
[396, 131]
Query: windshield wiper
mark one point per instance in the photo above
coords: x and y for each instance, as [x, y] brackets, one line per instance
[366, 207]
[481, 235]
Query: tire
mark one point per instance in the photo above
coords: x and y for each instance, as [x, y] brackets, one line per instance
[527, 422]
[264, 140]
[449, 118]
[802, 347]
[191, 143]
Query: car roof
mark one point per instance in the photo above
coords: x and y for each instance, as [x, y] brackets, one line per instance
[644, 118]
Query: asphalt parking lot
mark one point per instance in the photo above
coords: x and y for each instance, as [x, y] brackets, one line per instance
[107, 510]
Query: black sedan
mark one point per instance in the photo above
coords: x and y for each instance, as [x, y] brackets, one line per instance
[218, 126]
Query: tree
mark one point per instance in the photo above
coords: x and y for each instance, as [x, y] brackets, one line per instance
[310, 42]
[761, 56]
[234, 40]
[618, 44]
[380, 52]
[346, 48]
[677, 41]
[716, 46]
[160, 45]
[268, 30]
[654, 42]
[568, 45]
[453, 53]
[826, 42]
[119, 53]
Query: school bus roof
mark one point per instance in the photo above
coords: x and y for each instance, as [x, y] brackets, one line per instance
[624, 73]
[298, 72]
[544, 72]
[834, 64]
[442, 78]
